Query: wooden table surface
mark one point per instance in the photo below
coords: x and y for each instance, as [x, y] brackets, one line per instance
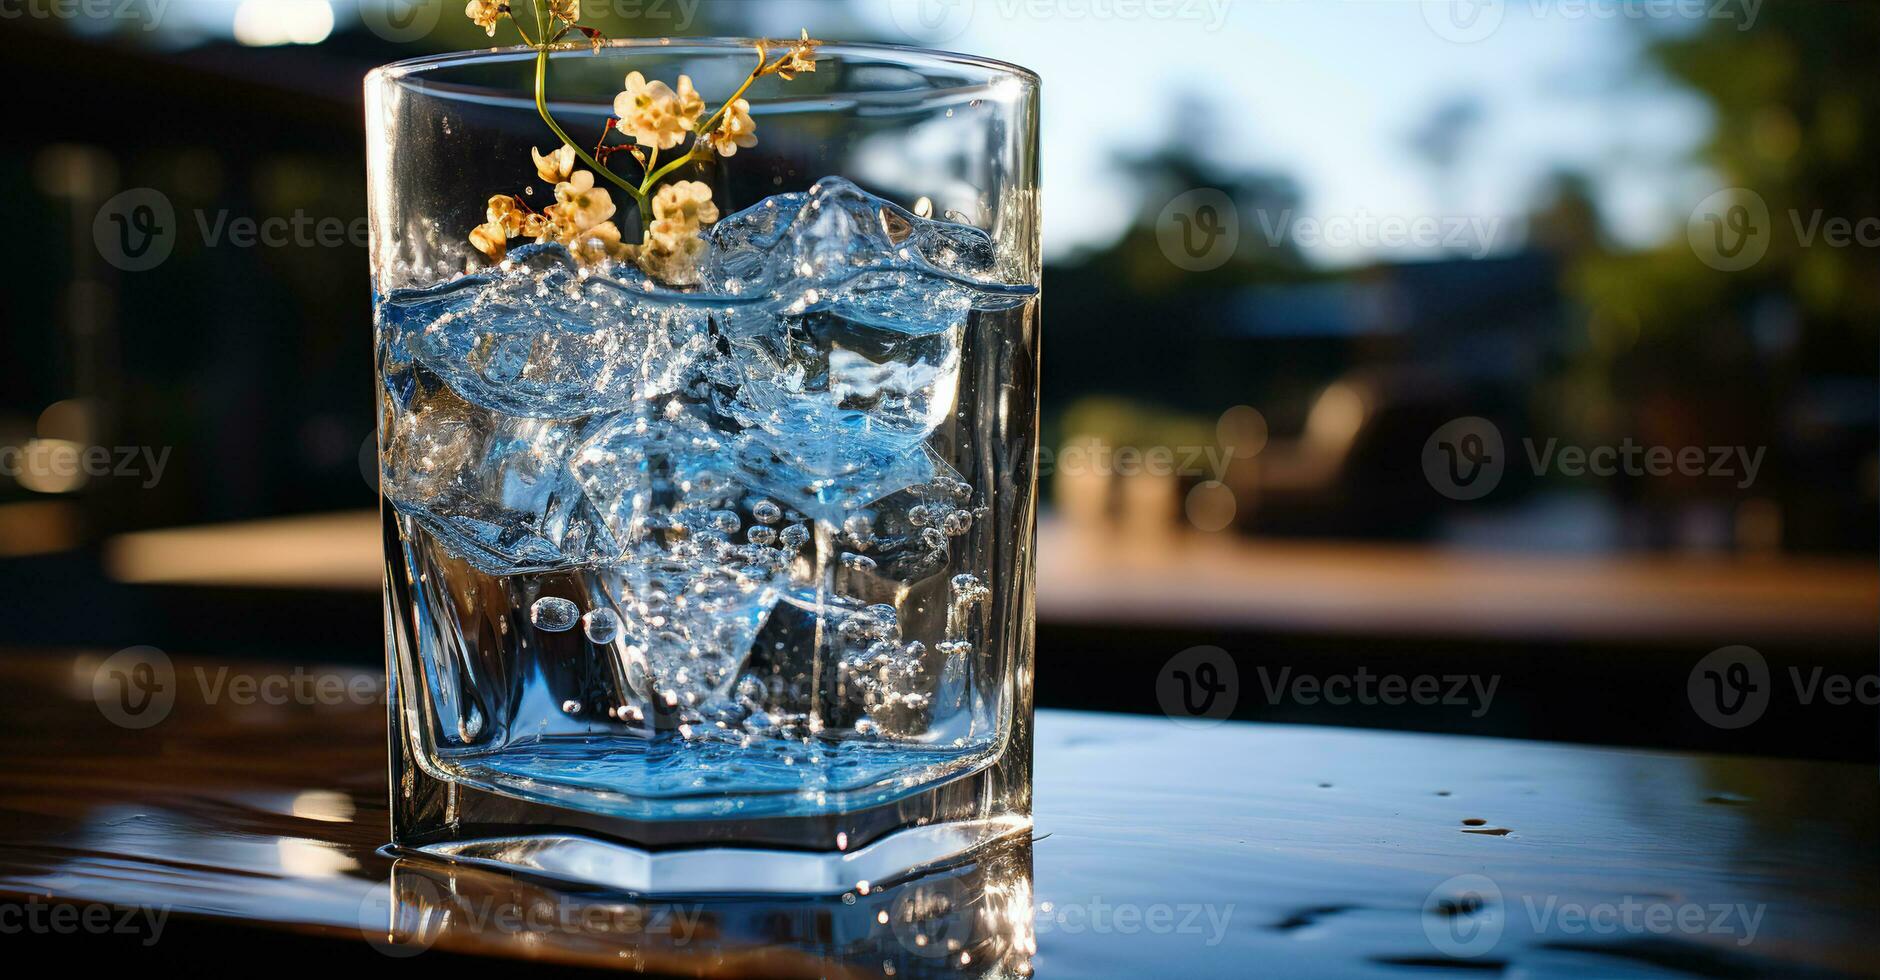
[248, 816]
[1221, 581]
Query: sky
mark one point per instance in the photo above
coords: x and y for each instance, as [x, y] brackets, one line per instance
[1328, 92]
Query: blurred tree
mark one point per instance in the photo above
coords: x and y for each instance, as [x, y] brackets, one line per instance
[1680, 352]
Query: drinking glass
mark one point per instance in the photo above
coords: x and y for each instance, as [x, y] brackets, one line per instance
[724, 586]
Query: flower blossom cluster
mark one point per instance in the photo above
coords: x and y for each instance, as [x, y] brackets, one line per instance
[656, 117]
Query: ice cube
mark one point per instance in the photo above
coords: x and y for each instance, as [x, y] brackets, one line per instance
[828, 477]
[835, 232]
[863, 314]
[824, 375]
[494, 488]
[691, 624]
[540, 337]
[644, 470]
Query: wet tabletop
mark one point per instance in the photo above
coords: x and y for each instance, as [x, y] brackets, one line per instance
[253, 806]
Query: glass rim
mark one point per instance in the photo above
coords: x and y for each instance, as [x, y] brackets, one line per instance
[904, 55]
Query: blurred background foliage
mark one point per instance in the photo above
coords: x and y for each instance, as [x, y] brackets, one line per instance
[1306, 376]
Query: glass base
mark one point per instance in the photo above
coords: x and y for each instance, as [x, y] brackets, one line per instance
[574, 837]
[736, 870]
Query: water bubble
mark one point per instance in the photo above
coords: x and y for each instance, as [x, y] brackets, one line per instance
[957, 523]
[795, 536]
[601, 625]
[761, 535]
[968, 587]
[727, 521]
[571, 706]
[553, 614]
[857, 563]
[767, 511]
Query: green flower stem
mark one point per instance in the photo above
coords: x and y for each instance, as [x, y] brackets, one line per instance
[674, 164]
[541, 106]
[703, 128]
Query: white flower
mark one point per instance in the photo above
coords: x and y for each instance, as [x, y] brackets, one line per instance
[556, 166]
[685, 202]
[674, 245]
[506, 220]
[485, 13]
[491, 239]
[568, 10]
[802, 58]
[581, 204]
[599, 244]
[691, 104]
[735, 129]
[650, 113]
[672, 256]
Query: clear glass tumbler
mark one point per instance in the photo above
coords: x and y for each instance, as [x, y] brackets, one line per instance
[717, 579]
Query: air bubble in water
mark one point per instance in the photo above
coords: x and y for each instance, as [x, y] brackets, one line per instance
[601, 625]
[553, 614]
[767, 512]
[857, 563]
